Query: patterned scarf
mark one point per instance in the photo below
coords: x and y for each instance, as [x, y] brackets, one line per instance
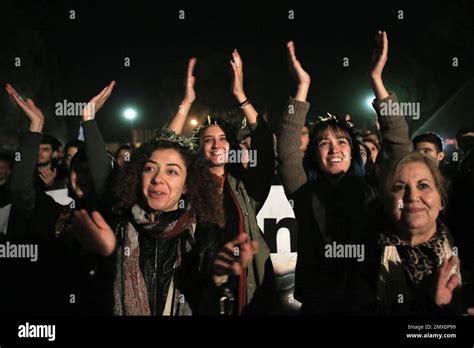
[419, 261]
[130, 292]
[169, 224]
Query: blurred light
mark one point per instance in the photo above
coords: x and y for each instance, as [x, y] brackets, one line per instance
[130, 114]
[193, 122]
[368, 101]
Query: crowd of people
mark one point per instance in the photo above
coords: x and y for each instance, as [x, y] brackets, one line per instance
[170, 227]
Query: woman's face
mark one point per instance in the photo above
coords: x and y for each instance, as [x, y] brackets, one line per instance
[164, 178]
[333, 154]
[215, 145]
[415, 200]
[304, 140]
[363, 153]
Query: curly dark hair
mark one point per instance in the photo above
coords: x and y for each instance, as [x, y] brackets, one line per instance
[202, 190]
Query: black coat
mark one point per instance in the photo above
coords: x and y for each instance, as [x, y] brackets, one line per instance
[326, 214]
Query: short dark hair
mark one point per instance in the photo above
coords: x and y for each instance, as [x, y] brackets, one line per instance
[430, 137]
[74, 143]
[50, 140]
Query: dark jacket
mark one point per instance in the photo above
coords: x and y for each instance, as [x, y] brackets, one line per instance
[250, 188]
[399, 295]
[459, 217]
[194, 292]
[63, 279]
[344, 215]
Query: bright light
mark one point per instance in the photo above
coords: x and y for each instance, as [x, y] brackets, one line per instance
[130, 114]
[193, 122]
[368, 101]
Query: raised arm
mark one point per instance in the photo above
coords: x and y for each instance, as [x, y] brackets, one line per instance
[179, 119]
[289, 139]
[22, 184]
[97, 157]
[238, 88]
[301, 76]
[394, 129]
[379, 58]
[261, 138]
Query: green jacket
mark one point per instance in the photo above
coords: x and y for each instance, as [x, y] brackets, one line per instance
[250, 187]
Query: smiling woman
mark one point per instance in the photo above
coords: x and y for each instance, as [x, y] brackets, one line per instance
[419, 271]
[161, 257]
[334, 200]
[159, 175]
[163, 179]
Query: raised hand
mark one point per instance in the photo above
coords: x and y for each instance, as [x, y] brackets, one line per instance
[179, 119]
[379, 55]
[189, 93]
[238, 88]
[32, 112]
[93, 233]
[295, 66]
[97, 102]
[234, 258]
[302, 77]
[446, 282]
[238, 77]
[379, 59]
[47, 175]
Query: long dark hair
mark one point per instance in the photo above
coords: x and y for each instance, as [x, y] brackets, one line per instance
[229, 130]
[80, 165]
[202, 191]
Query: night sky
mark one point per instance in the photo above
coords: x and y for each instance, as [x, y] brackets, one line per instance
[74, 59]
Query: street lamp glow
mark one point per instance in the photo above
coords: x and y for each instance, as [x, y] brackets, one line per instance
[368, 101]
[193, 122]
[130, 114]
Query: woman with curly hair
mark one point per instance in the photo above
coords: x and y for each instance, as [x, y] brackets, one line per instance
[162, 260]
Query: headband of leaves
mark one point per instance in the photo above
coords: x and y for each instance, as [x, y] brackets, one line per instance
[189, 143]
[208, 122]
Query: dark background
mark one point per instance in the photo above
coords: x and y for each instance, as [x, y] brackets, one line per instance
[74, 59]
